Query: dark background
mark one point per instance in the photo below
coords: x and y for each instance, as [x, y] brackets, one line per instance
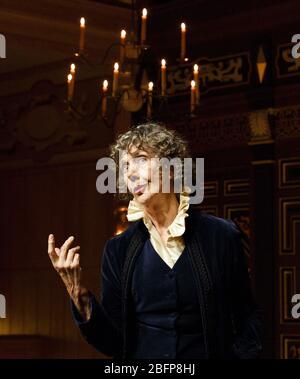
[248, 132]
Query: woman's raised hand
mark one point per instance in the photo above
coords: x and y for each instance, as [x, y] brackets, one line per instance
[66, 261]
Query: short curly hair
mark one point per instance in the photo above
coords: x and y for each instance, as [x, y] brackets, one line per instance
[154, 138]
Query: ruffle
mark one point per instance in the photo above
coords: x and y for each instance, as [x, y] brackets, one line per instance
[135, 212]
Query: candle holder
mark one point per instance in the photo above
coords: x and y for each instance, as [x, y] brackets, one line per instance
[182, 61]
[85, 117]
[136, 68]
[196, 111]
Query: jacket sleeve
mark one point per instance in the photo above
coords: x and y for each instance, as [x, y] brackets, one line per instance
[103, 329]
[246, 315]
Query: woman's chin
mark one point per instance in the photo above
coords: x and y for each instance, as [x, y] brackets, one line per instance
[139, 196]
[143, 197]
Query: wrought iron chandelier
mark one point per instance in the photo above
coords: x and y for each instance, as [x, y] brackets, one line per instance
[139, 82]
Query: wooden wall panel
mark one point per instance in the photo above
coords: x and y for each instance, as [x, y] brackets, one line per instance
[288, 242]
[64, 201]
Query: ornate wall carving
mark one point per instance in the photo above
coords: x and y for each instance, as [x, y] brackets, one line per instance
[288, 252]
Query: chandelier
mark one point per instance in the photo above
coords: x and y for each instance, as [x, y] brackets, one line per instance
[139, 81]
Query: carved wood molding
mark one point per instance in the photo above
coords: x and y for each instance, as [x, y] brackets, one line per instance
[257, 127]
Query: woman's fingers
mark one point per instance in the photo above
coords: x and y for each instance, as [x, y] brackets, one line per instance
[51, 248]
[64, 250]
[76, 261]
[66, 261]
[77, 269]
[70, 256]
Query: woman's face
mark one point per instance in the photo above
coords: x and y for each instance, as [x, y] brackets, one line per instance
[141, 173]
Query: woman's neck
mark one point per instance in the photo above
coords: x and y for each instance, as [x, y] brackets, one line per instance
[162, 210]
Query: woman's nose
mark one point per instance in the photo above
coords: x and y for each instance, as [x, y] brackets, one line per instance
[131, 172]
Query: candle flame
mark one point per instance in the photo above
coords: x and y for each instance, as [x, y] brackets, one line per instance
[193, 84]
[183, 27]
[196, 68]
[123, 34]
[150, 86]
[82, 22]
[116, 67]
[163, 63]
[72, 68]
[70, 77]
[144, 13]
[105, 85]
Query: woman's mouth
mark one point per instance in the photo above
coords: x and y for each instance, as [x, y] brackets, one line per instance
[139, 188]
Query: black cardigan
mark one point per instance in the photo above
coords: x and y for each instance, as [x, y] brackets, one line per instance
[232, 321]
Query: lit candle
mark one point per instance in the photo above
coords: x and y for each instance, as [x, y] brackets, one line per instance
[143, 27]
[72, 68]
[183, 42]
[163, 77]
[149, 103]
[115, 79]
[196, 79]
[104, 97]
[72, 82]
[81, 37]
[122, 46]
[193, 89]
[70, 87]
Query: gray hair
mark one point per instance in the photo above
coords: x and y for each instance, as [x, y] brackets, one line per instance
[154, 138]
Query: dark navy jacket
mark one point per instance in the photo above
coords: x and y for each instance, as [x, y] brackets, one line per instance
[167, 319]
[230, 319]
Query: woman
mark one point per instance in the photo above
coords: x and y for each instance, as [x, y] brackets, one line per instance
[175, 283]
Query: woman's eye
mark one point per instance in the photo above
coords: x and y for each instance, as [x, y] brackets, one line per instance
[142, 159]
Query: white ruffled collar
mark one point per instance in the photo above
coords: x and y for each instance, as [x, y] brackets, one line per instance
[135, 212]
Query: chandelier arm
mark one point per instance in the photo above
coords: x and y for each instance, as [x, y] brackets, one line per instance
[87, 117]
[107, 52]
[84, 59]
[108, 124]
[75, 110]
[92, 116]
